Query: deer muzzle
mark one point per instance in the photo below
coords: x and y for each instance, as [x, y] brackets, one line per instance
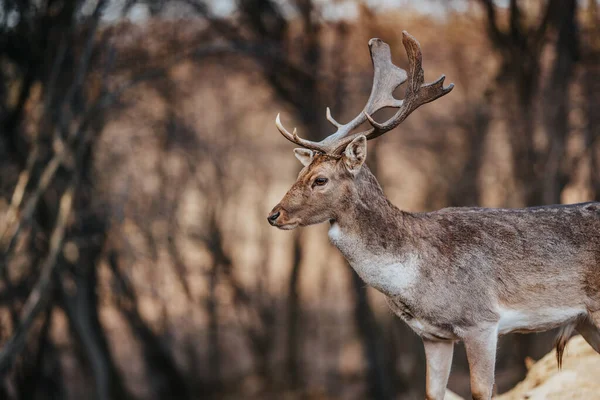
[272, 218]
[280, 219]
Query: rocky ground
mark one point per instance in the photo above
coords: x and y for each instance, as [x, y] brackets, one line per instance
[578, 379]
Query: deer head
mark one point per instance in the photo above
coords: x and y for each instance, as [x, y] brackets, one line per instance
[333, 165]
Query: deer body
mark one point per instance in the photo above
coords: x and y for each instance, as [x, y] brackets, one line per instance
[466, 274]
[522, 269]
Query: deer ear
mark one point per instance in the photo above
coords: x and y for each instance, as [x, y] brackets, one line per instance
[304, 155]
[355, 154]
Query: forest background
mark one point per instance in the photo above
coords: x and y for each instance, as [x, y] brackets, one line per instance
[139, 159]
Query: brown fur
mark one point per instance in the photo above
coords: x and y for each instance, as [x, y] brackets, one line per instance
[471, 261]
[455, 274]
[562, 338]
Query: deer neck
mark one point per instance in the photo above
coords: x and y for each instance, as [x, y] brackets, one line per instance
[372, 234]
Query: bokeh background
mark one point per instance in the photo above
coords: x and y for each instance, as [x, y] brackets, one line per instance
[139, 160]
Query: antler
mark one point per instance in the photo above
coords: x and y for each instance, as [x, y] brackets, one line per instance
[386, 78]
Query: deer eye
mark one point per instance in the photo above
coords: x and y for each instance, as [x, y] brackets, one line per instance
[320, 182]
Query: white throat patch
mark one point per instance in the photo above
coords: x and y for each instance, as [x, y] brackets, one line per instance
[391, 274]
[334, 232]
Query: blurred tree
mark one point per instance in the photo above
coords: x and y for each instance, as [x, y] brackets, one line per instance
[539, 173]
[43, 58]
[591, 61]
[61, 77]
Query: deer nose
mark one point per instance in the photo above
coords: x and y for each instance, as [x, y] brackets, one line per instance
[273, 217]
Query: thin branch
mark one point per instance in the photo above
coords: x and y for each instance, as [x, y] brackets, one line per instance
[38, 297]
[18, 194]
[83, 65]
[28, 210]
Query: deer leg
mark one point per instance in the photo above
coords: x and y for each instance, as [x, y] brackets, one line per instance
[439, 360]
[481, 354]
[589, 328]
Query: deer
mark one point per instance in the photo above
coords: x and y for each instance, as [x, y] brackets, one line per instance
[457, 274]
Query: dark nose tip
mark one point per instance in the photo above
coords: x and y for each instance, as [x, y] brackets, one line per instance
[273, 217]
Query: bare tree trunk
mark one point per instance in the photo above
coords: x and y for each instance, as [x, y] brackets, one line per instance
[166, 379]
[81, 305]
[214, 347]
[520, 48]
[39, 371]
[294, 317]
[379, 382]
[592, 94]
[524, 156]
[593, 125]
[556, 102]
[467, 191]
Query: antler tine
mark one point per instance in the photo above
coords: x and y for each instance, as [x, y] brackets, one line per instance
[294, 138]
[386, 78]
[331, 119]
[417, 93]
